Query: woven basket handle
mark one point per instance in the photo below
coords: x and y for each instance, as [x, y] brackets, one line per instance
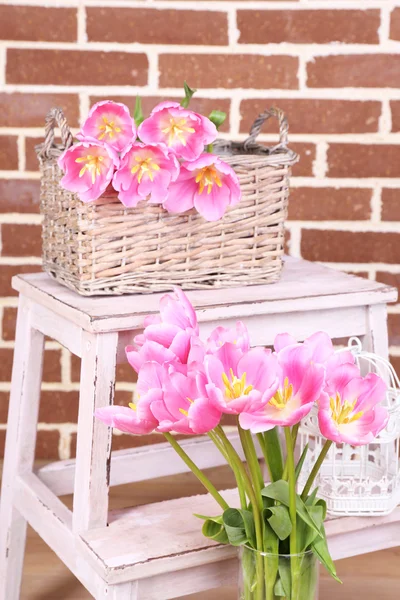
[259, 122]
[56, 118]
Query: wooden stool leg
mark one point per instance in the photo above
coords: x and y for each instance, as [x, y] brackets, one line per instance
[99, 352]
[20, 447]
[377, 338]
[122, 591]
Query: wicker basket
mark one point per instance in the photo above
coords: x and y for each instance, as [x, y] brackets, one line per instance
[105, 248]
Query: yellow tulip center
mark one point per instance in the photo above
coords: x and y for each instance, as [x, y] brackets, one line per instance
[183, 410]
[282, 396]
[343, 413]
[145, 166]
[133, 406]
[234, 387]
[206, 178]
[92, 164]
[177, 129]
[108, 128]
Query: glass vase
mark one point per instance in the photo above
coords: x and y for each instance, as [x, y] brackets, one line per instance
[264, 576]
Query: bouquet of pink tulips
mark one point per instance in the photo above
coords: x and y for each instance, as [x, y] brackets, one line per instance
[185, 385]
[165, 159]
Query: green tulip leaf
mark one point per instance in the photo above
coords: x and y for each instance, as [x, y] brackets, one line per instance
[217, 117]
[300, 463]
[239, 527]
[279, 519]
[188, 95]
[320, 548]
[138, 112]
[286, 578]
[274, 453]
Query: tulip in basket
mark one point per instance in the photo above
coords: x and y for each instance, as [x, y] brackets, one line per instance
[185, 385]
[141, 204]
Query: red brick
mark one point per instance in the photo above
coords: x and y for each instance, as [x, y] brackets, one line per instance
[329, 204]
[19, 195]
[122, 442]
[308, 26]
[315, 116]
[46, 444]
[73, 67]
[390, 204]
[395, 24]
[38, 24]
[395, 360]
[31, 160]
[8, 153]
[349, 247]
[363, 160]
[201, 105]
[228, 71]
[58, 407]
[394, 329]
[153, 26]
[124, 373]
[21, 240]
[7, 272]
[51, 365]
[9, 320]
[4, 398]
[304, 168]
[392, 279]
[356, 70]
[29, 110]
[395, 108]
[287, 241]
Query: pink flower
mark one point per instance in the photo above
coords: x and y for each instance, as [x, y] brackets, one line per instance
[300, 385]
[89, 168]
[169, 337]
[109, 122]
[128, 420]
[320, 346]
[175, 400]
[238, 336]
[207, 184]
[145, 171]
[237, 381]
[183, 131]
[350, 408]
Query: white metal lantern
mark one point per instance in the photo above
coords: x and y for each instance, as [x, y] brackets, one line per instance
[362, 480]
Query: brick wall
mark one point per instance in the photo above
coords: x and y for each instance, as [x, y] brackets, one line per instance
[332, 65]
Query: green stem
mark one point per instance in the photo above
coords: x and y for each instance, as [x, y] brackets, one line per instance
[242, 494]
[292, 512]
[295, 431]
[263, 447]
[316, 468]
[252, 461]
[234, 456]
[196, 471]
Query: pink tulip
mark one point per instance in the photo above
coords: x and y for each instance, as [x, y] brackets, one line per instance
[127, 419]
[350, 408]
[109, 122]
[172, 334]
[320, 346]
[183, 131]
[89, 168]
[208, 184]
[238, 336]
[300, 385]
[145, 170]
[237, 381]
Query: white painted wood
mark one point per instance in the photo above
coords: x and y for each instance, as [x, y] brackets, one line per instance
[52, 520]
[93, 451]
[147, 542]
[377, 339]
[123, 591]
[140, 464]
[58, 328]
[20, 447]
[303, 286]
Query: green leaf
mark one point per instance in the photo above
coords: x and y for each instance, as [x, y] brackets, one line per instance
[217, 117]
[271, 546]
[312, 498]
[279, 490]
[138, 112]
[285, 575]
[188, 95]
[274, 453]
[302, 458]
[320, 548]
[213, 528]
[278, 589]
[305, 534]
[239, 526]
[279, 520]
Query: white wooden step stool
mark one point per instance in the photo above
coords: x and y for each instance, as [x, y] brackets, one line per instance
[167, 558]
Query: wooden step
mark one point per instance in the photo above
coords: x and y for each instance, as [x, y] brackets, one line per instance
[153, 540]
